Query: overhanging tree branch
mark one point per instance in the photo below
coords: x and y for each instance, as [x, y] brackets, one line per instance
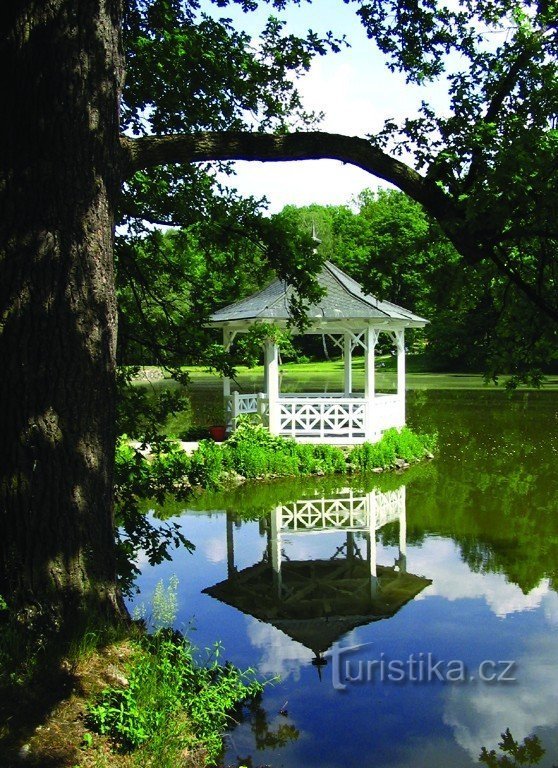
[148, 151]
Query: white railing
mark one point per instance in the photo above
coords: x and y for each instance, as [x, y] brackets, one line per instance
[314, 395]
[242, 405]
[348, 513]
[323, 418]
[247, 404]
[387, 507]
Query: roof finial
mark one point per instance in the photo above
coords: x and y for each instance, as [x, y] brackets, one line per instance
[315, 237]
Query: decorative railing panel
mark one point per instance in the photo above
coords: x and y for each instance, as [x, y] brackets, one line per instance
[356, 513]
[327, 417]
[322, 418]
[242, 405]
[321, 395]
[247, 404]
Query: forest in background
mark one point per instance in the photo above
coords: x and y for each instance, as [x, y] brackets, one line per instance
[383, 239]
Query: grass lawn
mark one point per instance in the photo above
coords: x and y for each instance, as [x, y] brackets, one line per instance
[328, 376]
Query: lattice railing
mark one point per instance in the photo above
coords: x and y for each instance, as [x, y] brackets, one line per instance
[321, 514]
[247, 404]
[387, 507]
[322, 417]
[242, 405]
[342, 513]
[320, 395]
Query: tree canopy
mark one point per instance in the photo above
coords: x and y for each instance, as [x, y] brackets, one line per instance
[485, 171]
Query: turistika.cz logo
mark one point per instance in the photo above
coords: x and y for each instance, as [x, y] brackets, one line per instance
[417, 668]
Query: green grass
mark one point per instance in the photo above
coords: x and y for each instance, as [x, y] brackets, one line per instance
[328, 376]
[171, 703]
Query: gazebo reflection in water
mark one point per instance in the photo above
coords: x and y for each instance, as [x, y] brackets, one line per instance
[317, 601]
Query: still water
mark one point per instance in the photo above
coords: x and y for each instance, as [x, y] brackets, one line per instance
[411, 617]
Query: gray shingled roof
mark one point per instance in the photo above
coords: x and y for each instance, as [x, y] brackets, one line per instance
[344, 300]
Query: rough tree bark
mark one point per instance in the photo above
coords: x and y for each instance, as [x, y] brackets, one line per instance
[59, 173]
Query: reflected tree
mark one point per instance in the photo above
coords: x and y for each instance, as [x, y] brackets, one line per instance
[514, 754]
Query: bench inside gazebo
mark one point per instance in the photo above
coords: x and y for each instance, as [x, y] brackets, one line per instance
[349, 317]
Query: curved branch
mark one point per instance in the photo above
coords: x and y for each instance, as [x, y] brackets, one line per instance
[148, 151]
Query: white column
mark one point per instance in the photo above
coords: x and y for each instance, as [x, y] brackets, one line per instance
[371, 552]
[227, 385]
[347, 363]
[275, 549]
[370, 338]
[402, 559]
[235, 408]
[230, 547]
[400, 338]
[272, 378]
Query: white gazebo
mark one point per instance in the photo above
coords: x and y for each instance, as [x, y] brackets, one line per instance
[350, 318]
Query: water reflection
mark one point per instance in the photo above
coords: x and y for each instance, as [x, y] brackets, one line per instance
[481, 523]
[316, 601]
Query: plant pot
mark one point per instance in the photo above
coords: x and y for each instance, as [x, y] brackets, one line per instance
[218, 432]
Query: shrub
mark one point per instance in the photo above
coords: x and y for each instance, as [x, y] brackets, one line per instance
[171, 700]
[207, 465]
[395, 444]
[253, 452]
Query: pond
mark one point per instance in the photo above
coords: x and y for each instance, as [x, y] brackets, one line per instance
[411, 617]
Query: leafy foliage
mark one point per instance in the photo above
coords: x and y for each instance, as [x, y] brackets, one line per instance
[514, 754]
[172, 702]
[395, 444]
[477, 321]
[252, 452]
[188, 70]
[135, 479]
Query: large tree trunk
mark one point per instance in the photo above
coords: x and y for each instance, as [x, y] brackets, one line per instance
[62, 68]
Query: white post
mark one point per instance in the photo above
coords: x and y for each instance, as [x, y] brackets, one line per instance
[272, 378]
[226, 380]
[402, 560]
[370, 338]
[347, 363]
[275, 547]
[235, 409]
[371, 552]
[230, 547]
[260, 406]
[400, 339]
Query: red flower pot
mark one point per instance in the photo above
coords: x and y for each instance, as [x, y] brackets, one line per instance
[218, 433]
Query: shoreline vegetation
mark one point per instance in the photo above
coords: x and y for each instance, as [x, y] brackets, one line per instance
[121, 697]
[252, 453]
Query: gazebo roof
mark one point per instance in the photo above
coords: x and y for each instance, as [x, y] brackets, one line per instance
[322, 600]
[344, 300]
